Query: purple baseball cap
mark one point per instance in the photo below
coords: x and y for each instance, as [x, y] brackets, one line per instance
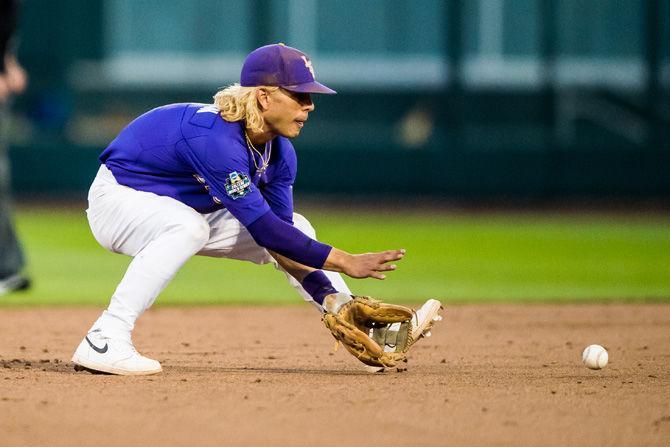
[281, 66]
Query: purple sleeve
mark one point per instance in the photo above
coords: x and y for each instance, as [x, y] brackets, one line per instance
[279, 192]
[272, 233]
[279, 196]
[318, 286]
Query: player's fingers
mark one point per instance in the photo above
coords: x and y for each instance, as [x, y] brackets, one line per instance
[386, 267]
[377, 275]
[393, 255]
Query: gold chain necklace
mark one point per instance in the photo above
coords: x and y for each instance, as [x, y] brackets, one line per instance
[265, 157]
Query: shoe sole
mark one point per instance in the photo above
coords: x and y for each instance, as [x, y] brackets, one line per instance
[100, 368]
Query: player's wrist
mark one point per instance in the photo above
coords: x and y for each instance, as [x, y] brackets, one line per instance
[318, 286]
[333, 303]
[338, 261]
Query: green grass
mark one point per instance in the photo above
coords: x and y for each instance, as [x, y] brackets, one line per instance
[455, 257]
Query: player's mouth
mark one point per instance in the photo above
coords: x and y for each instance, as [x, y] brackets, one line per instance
[300, 123]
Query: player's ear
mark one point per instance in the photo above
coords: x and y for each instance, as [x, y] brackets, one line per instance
[263, 98]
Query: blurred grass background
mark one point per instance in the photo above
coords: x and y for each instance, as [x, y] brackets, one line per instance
[483, 256]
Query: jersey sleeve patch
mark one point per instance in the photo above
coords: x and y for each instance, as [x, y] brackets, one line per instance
[237, 185]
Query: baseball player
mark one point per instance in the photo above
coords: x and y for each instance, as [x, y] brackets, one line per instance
[216, 180]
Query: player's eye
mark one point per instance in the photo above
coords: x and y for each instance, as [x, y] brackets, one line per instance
[303, 98]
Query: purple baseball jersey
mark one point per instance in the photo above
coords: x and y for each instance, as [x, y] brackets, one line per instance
[188, 152]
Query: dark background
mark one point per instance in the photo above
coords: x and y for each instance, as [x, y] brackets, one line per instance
[530, 100]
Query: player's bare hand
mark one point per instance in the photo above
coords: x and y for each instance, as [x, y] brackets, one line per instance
[366, 265]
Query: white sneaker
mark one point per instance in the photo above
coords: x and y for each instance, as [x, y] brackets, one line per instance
[422, 322]
[112, 355]
[424, 318]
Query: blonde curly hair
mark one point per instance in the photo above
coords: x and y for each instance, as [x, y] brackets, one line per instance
[237, 103]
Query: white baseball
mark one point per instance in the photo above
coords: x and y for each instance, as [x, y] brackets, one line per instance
[595, 357]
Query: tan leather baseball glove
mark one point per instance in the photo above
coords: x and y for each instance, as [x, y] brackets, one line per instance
[354, 319]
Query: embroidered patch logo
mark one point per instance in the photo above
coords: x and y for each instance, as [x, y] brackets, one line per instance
[237, 185]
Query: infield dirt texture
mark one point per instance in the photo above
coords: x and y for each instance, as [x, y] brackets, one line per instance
[490, 375]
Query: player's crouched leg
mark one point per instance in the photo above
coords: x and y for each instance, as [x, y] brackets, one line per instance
[161, 234]
[108, 345]
[192, 234]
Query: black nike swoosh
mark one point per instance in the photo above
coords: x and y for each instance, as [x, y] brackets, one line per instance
[95, 348]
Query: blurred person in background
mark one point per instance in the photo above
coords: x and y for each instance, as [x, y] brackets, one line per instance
[13, 81]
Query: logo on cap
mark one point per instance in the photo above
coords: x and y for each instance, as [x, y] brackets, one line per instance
[308, 64]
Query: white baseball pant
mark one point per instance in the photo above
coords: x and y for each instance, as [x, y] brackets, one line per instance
[161, 234]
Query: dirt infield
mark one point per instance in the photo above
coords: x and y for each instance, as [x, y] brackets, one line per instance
[490, 375]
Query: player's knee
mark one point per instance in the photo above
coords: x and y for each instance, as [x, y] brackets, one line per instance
[302, 224]
[194, 232]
